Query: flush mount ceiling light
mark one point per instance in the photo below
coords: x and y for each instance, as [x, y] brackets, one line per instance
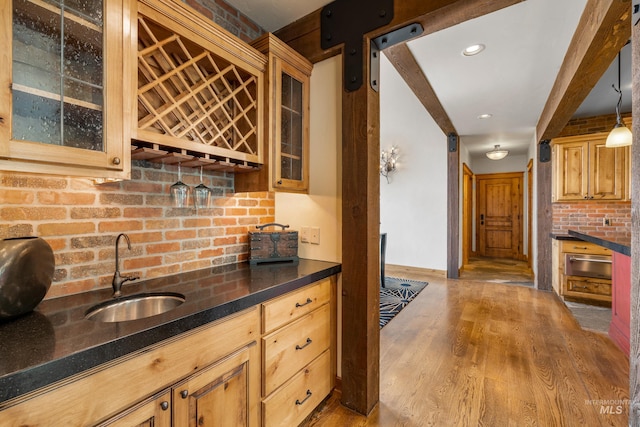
[485, 116]
[474, 49]
[497, 153]
[620, 136]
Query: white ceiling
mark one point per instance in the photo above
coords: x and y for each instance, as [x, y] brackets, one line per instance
[511, 79]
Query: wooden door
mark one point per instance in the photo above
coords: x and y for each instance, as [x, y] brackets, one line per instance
[221, 395]
[499, 215]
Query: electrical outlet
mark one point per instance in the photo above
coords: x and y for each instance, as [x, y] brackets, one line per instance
[606, 222]
[304, 234]
[315, 235]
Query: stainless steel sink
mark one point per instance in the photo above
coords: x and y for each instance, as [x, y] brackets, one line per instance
[134, 307]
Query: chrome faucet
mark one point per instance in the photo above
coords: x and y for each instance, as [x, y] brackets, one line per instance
[118, 279]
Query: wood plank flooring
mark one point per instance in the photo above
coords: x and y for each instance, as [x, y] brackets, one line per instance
[479, 353]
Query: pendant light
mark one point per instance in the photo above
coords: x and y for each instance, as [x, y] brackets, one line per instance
[620, 136]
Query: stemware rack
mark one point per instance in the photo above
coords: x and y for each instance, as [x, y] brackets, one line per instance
[157, 153]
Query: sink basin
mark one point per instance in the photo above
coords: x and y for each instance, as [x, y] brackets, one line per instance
[134, 307]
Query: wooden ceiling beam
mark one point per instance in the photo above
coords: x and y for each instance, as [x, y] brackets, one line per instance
[604, 28]
[405, 63]
[304, 34]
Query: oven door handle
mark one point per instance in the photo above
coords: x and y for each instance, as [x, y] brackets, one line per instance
[606, 261]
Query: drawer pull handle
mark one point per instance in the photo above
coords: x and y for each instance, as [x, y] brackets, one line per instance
[184, 394]
[300, 402]
[164, 405]
[309, 301]
[300, 347]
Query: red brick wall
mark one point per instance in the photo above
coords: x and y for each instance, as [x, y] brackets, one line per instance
[225, 15]
[587, 216]
[80, 220]
[589, 125]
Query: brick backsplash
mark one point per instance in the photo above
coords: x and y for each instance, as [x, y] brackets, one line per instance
[80, 220]
[587, 217]
[587, 125]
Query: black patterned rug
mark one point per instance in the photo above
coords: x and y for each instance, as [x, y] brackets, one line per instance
[395, 296]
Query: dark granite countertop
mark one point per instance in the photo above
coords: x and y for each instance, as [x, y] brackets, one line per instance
[558, 236]
[55, 341]
[618, 242]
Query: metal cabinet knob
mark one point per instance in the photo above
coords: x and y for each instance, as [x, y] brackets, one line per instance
[116, 160]
[184, 394]
[164, 405]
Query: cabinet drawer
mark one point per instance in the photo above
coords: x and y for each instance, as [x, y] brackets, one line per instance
[280, 311]
[588, 286]
[298, 397]
[579, 247]
[289, 349]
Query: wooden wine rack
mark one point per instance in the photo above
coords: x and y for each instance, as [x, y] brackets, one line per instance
[197, 104]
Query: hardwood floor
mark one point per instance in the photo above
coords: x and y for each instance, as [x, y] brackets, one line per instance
[470, 353]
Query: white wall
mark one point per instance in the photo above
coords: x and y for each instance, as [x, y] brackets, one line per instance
[413, 205]
[322, 207]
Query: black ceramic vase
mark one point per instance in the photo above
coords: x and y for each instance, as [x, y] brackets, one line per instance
[26, 270]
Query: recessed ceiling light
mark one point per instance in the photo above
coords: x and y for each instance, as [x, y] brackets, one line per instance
[485, 116]
[474, 49]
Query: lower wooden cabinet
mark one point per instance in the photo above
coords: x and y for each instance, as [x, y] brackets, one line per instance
[298, 353]
[220, 395]
[216, 366]
[579, 288]
[215, 375]
[153, 412]
[295, 400]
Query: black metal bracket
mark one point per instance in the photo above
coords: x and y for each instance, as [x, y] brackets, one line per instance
[387, 40]
[346, 21]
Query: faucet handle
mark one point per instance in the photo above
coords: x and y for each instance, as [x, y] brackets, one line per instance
[130, 278]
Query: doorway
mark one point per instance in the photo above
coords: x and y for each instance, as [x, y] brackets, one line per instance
[499, 231]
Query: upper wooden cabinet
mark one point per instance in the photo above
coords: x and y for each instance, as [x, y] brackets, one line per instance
[585, 169]
[62, 73]
[199, 92]
[287, 121]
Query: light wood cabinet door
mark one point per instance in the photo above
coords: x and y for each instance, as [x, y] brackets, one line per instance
[572, 165]
[226, 394]
[153, 412]
[63, 73]
[585, 169]
[606, 171]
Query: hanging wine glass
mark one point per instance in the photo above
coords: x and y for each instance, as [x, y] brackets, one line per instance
[179, 191]
[201, 194]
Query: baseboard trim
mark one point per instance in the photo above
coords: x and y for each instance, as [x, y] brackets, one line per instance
[418, 270]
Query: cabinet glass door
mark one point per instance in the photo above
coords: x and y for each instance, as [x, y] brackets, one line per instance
[291, 137]
[57, 74]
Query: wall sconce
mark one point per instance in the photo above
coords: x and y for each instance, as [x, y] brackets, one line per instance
[388, 160]
[497, 153]
[620, 135]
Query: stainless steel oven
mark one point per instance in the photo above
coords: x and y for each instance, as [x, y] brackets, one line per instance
[596, 266]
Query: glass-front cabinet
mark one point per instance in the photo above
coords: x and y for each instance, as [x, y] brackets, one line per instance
[61, 106]
[287, 121]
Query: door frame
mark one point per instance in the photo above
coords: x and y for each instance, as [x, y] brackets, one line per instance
[467, 214]
[529, 211]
